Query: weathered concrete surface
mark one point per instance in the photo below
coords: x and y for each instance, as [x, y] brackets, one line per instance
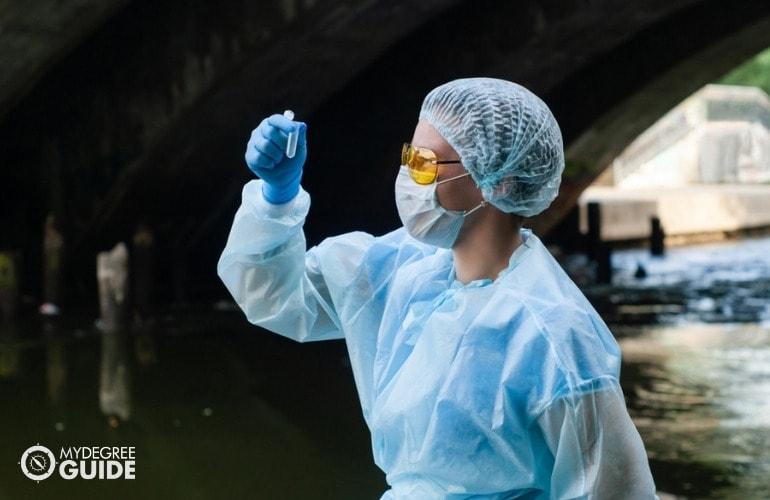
[148, 118]
[35, 34]
[720, 134]
[606, 137]
[696, 209]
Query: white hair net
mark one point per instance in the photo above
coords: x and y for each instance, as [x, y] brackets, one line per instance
[506, 137]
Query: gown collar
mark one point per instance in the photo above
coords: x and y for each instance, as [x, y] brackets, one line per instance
[528, 242]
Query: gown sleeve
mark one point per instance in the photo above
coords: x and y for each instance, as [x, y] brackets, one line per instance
[597, 451]
[277, 283]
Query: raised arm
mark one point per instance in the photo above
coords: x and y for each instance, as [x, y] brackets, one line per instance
[265, 266]
[277, 283]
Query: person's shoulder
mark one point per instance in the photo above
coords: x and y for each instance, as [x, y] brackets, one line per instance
[558, 353]
[395, 240]
[375, 258]
[580, 340]
[399, 246]
[548, 291]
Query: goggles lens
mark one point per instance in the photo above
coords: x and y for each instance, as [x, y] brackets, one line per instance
[421, 163]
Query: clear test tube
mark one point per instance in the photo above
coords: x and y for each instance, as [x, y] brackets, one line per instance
[291, 144]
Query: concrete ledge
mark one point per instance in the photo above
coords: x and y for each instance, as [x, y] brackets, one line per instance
[690, 210]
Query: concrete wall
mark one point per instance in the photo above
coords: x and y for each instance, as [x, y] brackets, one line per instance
[719, 134]
[625, 214]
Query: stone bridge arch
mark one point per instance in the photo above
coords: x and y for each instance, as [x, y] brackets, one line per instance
[144, 114]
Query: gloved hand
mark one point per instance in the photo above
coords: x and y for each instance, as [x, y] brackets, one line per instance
[266, 157]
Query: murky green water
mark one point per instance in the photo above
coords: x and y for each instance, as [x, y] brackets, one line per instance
[219, 409]
[699, 395]
[215, 410]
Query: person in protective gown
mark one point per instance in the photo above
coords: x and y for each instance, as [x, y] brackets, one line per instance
[482, 370]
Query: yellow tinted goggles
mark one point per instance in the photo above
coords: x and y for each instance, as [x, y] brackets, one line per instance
[422, 163]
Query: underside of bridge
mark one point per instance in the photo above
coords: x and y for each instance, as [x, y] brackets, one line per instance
[115, 113]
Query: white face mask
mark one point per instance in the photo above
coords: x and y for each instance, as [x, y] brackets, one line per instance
[422, 215]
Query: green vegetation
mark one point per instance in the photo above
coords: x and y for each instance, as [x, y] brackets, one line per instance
[755, 72]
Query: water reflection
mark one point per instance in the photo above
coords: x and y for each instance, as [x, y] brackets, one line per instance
[115, 376]
[215, 407]
[56, 363]
[700, 397]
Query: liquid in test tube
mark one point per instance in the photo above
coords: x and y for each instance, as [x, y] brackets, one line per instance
[291, 144]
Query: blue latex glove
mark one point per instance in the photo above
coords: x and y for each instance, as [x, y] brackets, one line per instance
[266, 157]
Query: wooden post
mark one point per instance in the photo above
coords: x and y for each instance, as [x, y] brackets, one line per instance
[594, 230]
[114, 377]
[604, 263]
[142, 271]
[598, 250]
[142, 260]
[112, 275]
[657, 236]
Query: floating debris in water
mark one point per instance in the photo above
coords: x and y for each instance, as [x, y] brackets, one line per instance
[49, 309]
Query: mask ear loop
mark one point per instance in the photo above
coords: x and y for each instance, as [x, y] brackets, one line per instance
[453, 178]
[483, 203]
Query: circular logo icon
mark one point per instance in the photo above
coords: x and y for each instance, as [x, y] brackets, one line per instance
[37, 462]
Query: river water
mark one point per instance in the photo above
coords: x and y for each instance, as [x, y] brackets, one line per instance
[219, 409]
[695, 337]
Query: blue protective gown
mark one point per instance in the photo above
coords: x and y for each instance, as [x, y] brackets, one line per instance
[491, 389]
